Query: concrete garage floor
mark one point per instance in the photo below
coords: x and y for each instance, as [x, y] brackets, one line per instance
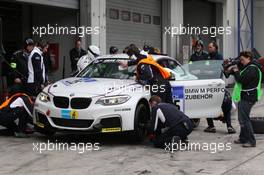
[118, 156]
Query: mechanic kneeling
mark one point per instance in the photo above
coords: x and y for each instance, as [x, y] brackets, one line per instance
[18, 106]
[168, 124]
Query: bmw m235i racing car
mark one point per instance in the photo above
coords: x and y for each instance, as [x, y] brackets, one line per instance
[104, 97]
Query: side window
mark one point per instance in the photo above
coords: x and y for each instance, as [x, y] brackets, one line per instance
[173, 65]
[164, 63]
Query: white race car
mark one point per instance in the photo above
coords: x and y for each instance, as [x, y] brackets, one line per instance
[103, 97]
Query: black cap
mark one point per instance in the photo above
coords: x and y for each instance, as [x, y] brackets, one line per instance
[113, 50]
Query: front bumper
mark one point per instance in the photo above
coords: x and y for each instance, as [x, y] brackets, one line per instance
[96, 118]
[109, 124]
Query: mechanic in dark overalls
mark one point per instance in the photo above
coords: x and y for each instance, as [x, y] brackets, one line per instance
[19, 65]
[149, 72]
[18, 107]
[168, 124]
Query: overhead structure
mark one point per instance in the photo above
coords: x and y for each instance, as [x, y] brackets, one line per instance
[245, 25]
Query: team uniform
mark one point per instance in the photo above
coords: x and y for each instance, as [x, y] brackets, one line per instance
[36, 72]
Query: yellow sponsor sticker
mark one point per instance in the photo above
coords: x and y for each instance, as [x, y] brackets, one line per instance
[74, 114]
[117, 129]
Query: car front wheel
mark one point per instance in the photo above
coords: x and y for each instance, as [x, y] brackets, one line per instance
[142, 116]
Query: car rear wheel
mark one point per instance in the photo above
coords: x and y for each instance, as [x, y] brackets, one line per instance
[142, 116]
[196, 122]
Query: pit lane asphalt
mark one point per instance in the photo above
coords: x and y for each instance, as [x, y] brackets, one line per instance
[117, 155]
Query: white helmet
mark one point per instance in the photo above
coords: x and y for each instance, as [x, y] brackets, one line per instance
[92, 54]
[94, 50]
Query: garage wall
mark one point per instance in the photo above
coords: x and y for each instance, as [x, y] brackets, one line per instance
[74, 4]
[259, 26]
[199, 13]
[121, 33]
[43, 15]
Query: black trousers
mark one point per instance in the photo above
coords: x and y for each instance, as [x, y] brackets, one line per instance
[246, 131]
[226, 108]
[164, 138]
[227, 116]
[7, 119]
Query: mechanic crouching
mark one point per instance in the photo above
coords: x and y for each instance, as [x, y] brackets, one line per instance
[18, 107]
[168, 124]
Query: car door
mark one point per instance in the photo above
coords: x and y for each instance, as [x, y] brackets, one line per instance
[198, 94]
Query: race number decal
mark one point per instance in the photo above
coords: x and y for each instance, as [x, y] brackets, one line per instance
[178, 96]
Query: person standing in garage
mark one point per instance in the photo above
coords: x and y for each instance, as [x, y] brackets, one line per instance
[168, 124]
[43, 46]
[227, 102]
[199, 53]
[113, 50]
[76, 53]
[19, 65]
[213, 51]
[247, 92]
[36, 72]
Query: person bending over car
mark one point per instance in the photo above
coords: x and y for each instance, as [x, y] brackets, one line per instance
[150, 73]
[168, 124]
[18, 106]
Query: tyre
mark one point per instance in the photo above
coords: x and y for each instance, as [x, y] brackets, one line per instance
[258, 125]
[196, 122]
[142, 116]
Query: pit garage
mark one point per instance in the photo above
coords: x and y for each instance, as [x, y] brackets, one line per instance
[20, 16]
[133, 21]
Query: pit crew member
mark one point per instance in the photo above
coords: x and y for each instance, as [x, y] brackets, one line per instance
[167, 123]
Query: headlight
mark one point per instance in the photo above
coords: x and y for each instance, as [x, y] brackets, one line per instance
[113, 100]
[44, 97]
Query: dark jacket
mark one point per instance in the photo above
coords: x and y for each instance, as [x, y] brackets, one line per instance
[37, 69]
[149, 75]
[47, 63]
[249, 80]
[135, 62]
[75, 55]
[19, 64]
[198, 56]
[173, 117]
[215, 56]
